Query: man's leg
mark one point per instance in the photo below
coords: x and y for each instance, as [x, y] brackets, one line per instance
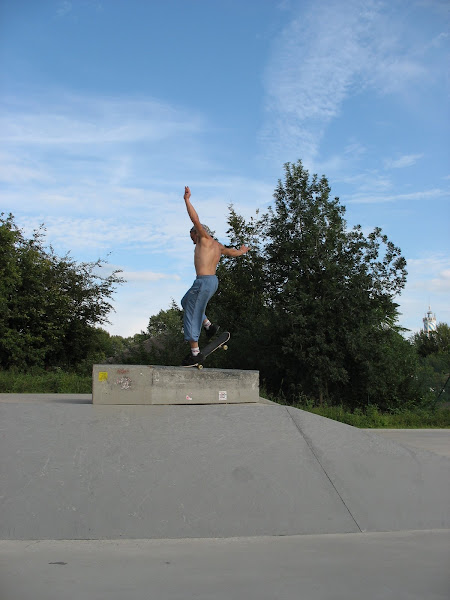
[203, 293]
[194, 304]
[188, 303]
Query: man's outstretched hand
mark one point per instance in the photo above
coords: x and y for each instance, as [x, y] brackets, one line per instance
[187, 193]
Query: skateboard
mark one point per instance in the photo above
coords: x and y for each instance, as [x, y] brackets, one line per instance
[218, 342]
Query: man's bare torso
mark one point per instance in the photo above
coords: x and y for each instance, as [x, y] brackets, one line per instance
[206, 256]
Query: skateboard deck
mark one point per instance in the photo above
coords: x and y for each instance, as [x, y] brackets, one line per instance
[215, 344]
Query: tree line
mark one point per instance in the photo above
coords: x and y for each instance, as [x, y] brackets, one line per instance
[50, 306]
[312, 306]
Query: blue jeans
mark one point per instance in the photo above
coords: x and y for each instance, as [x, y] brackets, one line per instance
[194, 305]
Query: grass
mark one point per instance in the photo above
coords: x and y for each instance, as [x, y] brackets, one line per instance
[44, 382]
[60, 382]
[371, 418]
[437, 417]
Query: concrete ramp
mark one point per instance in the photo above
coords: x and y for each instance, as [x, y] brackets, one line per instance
[78, 471]
[385, 485]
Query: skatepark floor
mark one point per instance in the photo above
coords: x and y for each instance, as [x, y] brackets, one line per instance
[410, 565]
[364, 565]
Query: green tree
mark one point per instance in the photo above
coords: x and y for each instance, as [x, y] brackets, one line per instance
[433, 342]
[49, 306]
[313, 303]
[240, 304]
[433, 350]
[166, 344]
[332, 290]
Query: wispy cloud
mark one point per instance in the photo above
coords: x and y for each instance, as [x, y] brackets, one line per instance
[430, 267]
[147, 276]
[332, 50]
[14, 168]
[383, 198]
[309, 75]
[63, 8]
[108, 173]
[404, 161]
[101, 234]
[98, 160]
[66, 8]
[80, 120]
[93, 153]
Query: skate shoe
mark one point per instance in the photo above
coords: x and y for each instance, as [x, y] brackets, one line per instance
[190, 360]
[212, 331]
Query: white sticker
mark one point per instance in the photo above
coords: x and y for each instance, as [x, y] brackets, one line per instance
[188, 397]
[222, 396]
[124, 382]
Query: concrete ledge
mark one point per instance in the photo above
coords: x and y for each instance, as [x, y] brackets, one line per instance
[150, 384]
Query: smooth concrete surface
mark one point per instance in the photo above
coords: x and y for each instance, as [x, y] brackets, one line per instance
[77, 471]
[369, 566]
[386, 486]
[150, 384]
[107, 472]
[433, 440]
[46, 398]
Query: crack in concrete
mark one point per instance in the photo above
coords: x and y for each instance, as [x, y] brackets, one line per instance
[305, 437]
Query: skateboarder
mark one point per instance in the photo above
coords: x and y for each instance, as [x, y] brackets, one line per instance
[206, 258]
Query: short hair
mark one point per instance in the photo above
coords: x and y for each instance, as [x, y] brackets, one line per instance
[205, 227]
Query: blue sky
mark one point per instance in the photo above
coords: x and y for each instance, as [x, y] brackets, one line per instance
[109, 108]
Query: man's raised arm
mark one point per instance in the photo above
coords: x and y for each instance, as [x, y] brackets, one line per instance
[193, 214]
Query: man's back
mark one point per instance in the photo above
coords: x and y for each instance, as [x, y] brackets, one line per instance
[206, 256]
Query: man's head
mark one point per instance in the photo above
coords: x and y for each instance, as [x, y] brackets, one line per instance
[194, 234]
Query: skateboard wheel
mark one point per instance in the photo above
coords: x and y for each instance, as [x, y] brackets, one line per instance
[199, 366]
[225, 347]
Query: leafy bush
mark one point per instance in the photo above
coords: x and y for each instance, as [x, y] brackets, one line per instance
[43, 382]
[49, 306]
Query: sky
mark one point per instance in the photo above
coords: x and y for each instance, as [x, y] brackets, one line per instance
[108, 108]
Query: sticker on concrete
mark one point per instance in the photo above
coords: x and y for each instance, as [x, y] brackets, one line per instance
[103, 376]
[124, 382]
[188, 397]
[222, 396]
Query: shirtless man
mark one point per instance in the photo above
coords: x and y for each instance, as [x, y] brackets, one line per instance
[206, 258]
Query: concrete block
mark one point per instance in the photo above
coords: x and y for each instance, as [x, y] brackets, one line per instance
[150, 384]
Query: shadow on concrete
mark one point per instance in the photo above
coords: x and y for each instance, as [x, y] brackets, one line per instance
[46, 398]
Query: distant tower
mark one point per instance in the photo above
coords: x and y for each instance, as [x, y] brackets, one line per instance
[429, 322]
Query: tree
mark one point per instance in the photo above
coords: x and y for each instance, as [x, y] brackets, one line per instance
[240, 303]
[313, 303]
[433, 350]
[433, 342]
[166, 345]
[162, 344]
[49, 306]
[332, 290]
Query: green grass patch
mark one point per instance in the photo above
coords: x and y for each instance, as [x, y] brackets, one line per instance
[437, 417]
[372, 418]
[44, 382]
